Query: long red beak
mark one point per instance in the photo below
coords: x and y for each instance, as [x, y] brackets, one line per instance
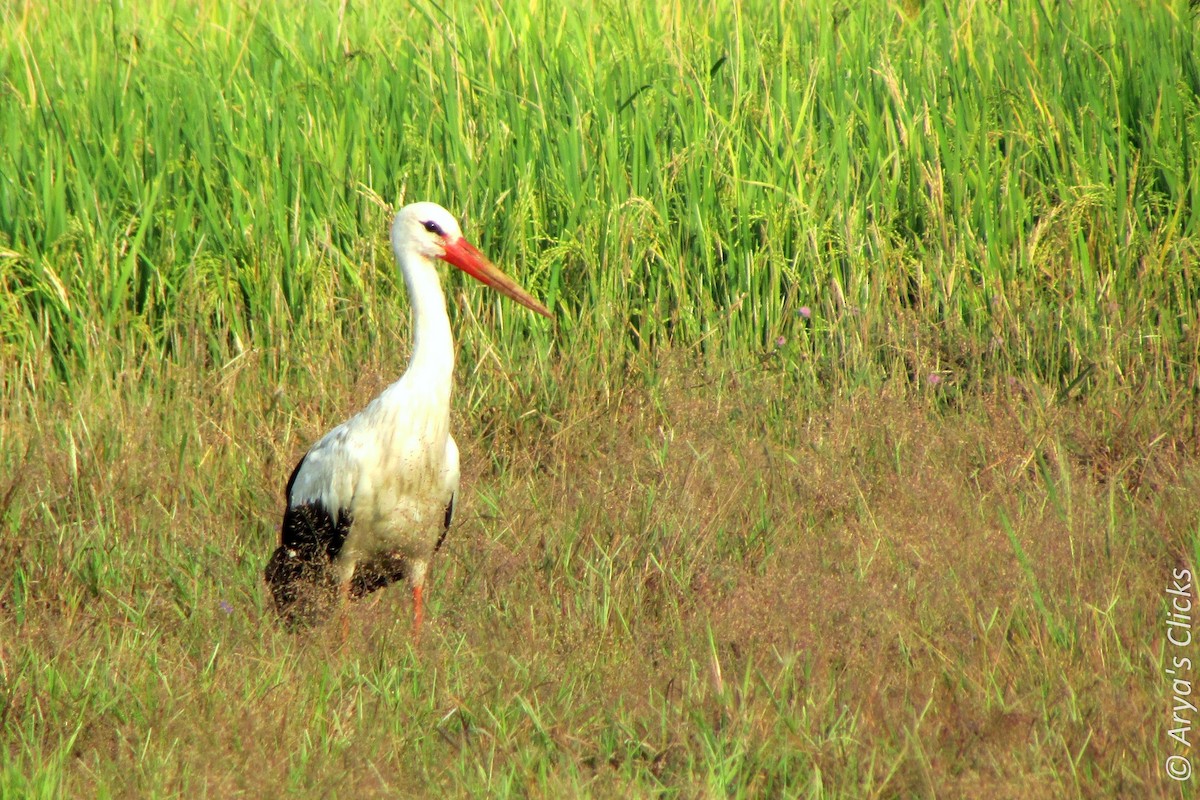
[467, 258]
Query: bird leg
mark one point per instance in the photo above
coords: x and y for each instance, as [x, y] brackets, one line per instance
[418, 611]
[417, 577]
[344, 609]
[343, 573]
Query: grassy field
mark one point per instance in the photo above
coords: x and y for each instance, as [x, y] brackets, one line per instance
[859, 461]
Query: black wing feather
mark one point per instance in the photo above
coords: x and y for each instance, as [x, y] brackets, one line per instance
[446, 524]
[298, 572]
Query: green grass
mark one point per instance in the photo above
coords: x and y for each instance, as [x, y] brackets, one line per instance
[911, 542]
[1001, 191]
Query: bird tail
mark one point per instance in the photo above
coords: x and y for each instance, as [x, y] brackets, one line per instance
[299, 587]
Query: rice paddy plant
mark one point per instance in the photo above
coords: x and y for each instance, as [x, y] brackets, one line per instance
[970, 191]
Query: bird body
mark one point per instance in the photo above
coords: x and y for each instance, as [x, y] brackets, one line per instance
[372, 500]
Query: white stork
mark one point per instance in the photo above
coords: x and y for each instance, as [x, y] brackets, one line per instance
[371, 502]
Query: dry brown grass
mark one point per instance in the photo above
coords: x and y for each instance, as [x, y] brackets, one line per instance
[681, 587]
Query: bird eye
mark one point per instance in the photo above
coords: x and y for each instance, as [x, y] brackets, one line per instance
[433, 227]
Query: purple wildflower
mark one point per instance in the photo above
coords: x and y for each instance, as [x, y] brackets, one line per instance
[805, 312]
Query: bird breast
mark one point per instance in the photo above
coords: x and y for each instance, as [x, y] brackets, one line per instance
[400, 500]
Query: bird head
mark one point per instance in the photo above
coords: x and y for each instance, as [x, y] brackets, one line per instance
[432, 232]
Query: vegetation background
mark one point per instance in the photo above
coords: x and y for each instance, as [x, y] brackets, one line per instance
[857, 462]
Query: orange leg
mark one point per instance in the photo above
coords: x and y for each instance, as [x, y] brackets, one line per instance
[418, 611]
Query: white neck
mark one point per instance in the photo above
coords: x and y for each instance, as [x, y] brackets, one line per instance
[432, 363]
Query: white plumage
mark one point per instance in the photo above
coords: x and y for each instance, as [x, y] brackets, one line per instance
[371, 501]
